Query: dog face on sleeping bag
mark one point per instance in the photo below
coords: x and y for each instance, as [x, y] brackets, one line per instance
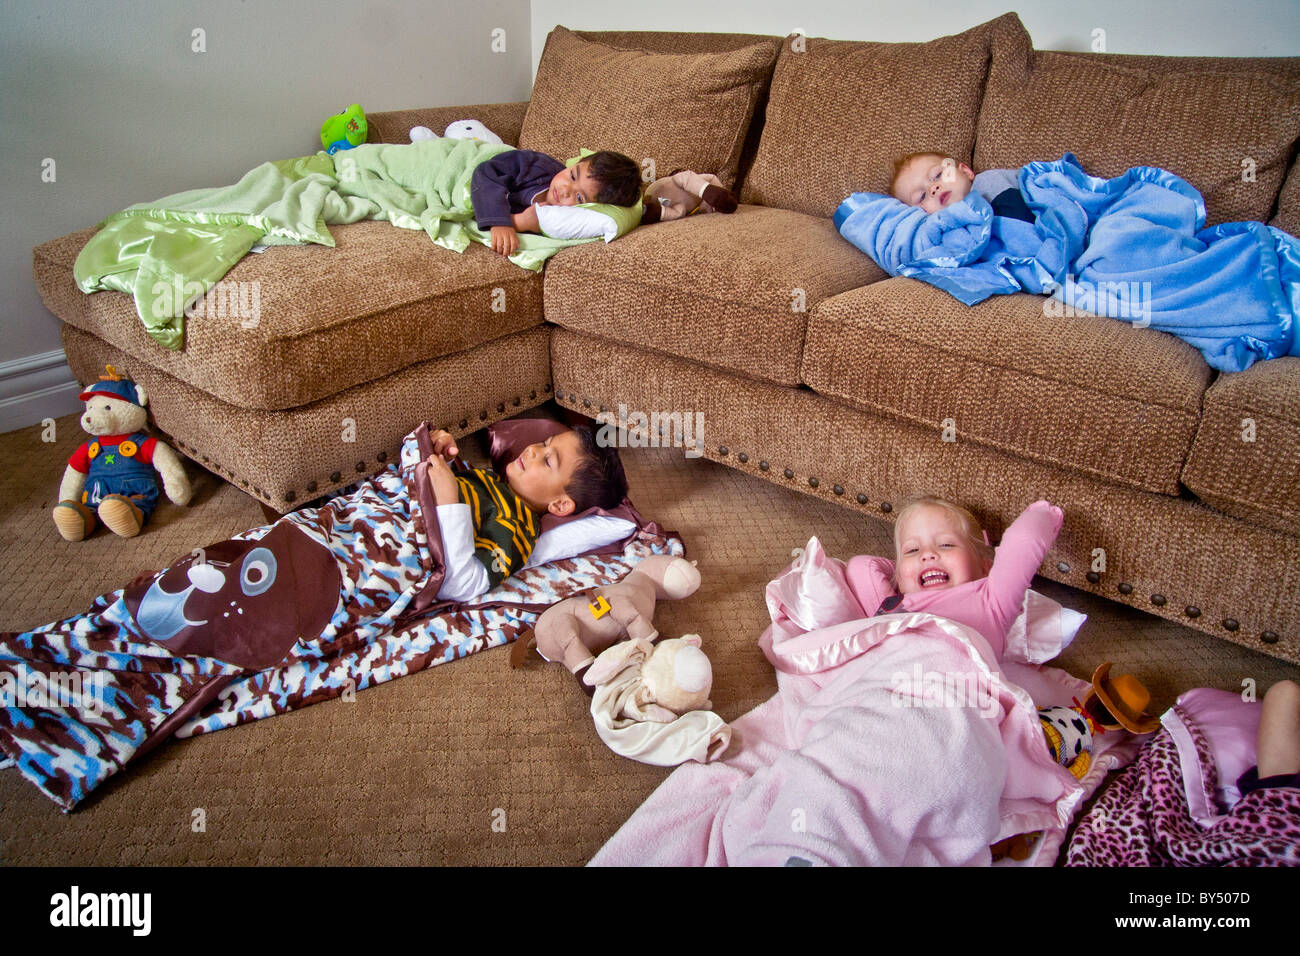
[244, 602]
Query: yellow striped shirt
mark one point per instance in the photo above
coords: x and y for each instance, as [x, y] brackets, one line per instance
[505, 529]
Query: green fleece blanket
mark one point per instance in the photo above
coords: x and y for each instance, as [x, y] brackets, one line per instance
[167, 254]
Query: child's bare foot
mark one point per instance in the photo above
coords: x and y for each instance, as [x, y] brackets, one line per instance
[1279, 730]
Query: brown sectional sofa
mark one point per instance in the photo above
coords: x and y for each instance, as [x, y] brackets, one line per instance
[812, 368]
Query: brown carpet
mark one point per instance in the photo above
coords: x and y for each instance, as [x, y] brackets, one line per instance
[468, 763]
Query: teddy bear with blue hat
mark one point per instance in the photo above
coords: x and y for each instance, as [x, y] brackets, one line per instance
[112, 477]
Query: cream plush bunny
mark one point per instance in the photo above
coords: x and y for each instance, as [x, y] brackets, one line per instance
[666, 680]
[651, 702]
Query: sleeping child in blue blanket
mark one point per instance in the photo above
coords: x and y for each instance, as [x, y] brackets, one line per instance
[1133, 247]
[932, 181]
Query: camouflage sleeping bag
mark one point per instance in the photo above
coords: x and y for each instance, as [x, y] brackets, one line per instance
[324, 601]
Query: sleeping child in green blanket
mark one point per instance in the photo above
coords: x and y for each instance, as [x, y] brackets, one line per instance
[506, 189]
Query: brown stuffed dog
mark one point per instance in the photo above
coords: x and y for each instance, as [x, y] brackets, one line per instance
[683, 193]
[578, 628]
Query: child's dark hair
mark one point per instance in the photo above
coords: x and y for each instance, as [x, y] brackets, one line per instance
[598, 482]
[619, 177]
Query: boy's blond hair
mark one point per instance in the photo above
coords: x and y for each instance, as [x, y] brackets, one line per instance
[975, 536]
[902, 163]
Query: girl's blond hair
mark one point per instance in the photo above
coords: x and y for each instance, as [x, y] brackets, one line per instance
[975, 536]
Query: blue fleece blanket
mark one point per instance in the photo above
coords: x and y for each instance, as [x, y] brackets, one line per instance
[1131, 248]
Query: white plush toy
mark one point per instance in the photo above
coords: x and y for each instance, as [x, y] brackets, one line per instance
[461, 129]
[651, 702]
[470, 129]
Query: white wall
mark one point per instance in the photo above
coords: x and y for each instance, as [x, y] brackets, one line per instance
[1172, 27]
[117, 96]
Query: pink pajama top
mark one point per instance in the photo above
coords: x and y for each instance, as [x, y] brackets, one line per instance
[989, 604]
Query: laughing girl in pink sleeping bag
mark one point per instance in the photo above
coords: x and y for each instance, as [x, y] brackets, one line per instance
[946, 567]
[846, 766]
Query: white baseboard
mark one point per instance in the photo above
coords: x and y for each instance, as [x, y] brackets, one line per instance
[35, 388]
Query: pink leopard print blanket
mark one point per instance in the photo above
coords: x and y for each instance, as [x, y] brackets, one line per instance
[1142, 817]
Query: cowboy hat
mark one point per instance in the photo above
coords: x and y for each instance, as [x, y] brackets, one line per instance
[1125, 701]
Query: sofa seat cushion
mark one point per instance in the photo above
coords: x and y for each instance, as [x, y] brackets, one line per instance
[1081, 392]
[1245, 460]
[841, 112]
[1227, 125]
[295, 324]
[729, 290]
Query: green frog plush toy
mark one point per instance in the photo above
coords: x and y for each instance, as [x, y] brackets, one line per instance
[345, 130]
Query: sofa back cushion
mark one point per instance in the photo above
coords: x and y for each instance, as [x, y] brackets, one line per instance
[1286, 214]
[394, 126]
[1226, 125]
[841, 112]
[681, 110]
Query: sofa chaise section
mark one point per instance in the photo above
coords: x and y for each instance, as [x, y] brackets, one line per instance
[285, 458]
[299, 396]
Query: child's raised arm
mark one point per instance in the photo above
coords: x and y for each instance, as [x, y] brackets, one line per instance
[1021, 552]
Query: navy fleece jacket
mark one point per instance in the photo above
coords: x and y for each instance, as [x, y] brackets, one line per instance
[507, 183]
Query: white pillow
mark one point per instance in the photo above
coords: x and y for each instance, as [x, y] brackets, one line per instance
[1042, 631]
[575, 222]
[578, 537]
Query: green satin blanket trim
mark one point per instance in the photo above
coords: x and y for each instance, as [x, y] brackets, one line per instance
[161, 267]
[167, 254]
